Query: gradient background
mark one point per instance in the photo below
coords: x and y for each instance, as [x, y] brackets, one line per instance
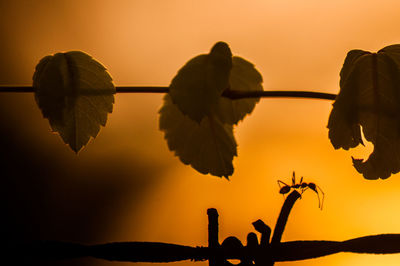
[127, 186]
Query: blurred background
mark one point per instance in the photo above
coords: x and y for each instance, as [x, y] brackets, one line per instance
[127, 186]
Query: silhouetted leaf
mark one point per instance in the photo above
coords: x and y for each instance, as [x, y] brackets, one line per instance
[75, 93]
[370, 97]
[197, 120]
[197, 87]
[244, 77]
[208, 146]
[344, 130]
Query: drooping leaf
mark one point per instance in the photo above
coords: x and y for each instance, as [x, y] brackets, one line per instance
[244, 77]
[370, 97]
[75, 93]
[344, 130]
[208, 146]
[200, 82]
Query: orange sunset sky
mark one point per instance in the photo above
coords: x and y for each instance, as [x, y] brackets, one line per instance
[127, 186]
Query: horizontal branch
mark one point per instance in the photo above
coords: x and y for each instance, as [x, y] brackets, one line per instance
[231, 94]
[164, 252]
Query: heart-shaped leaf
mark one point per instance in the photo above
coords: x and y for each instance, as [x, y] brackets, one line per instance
[197, 87]
[208, 146]
[370, 97]
[197, 120]
[75, 93]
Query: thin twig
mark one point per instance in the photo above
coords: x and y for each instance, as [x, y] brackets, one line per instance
[231, 94]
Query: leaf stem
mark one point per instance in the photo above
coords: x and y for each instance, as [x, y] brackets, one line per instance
[231, 94]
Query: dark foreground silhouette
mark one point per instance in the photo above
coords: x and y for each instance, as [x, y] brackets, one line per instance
[263, 252]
